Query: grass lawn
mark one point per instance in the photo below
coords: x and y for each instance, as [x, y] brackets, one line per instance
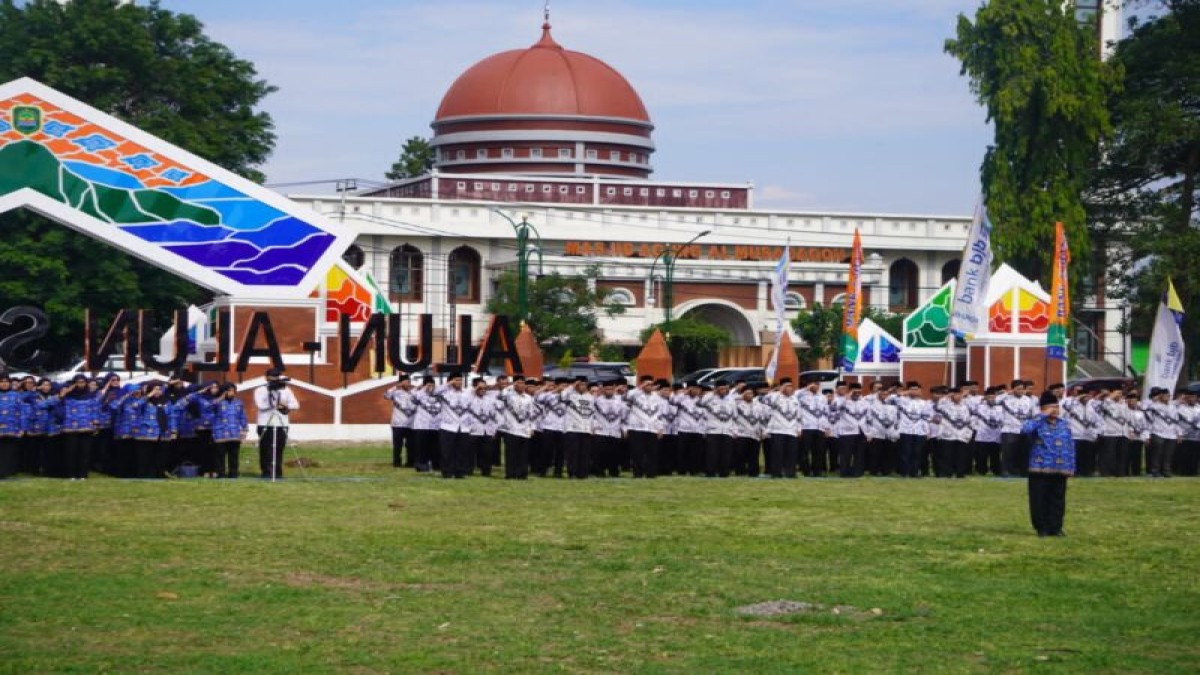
[361, 568]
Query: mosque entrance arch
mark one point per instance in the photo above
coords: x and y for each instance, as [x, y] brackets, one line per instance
[744, 340]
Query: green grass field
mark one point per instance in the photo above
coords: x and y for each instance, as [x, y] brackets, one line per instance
[361, 568]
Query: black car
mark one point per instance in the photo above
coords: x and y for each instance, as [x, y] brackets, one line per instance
[753, 377]
[594, 372]
[1092, 384]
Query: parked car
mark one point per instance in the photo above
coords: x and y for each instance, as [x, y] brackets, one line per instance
[695, 376]
[753, 377]
[1097, 383]
[594, 371]
[827, 379]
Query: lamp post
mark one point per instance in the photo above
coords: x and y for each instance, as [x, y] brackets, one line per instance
[523, 230]
[669, 257]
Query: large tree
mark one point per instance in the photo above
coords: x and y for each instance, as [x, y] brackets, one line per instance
[416, 159]
[158, 71]
[564, 311]
[1144, 196]
[1037, 71]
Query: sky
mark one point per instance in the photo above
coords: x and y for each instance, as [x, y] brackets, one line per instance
[841, 105]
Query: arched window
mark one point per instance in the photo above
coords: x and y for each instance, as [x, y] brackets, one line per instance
[464, 275]
[902, 285]
[622, 296]
[793, 302]
[354, 256]
[407, 274]
[950, 270]
[838, 300]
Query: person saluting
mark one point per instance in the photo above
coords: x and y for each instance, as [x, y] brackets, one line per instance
[1051, 463]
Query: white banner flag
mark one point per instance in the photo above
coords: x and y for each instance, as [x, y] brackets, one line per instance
[779, 286]
[969, 310]
[1166, 345]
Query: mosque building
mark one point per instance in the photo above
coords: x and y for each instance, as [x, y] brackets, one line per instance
[562, 140]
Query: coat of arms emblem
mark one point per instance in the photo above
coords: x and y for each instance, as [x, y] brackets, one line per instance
[27, 119]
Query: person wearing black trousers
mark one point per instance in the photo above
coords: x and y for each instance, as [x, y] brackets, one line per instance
[1051, 463]
[274, 403]
[578, 426]
[518, 419]
[403, 410]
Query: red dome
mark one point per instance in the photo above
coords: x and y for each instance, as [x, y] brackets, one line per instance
[544, 79]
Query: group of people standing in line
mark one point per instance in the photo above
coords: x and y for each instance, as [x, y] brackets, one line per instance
[546, 427]
[146, 430]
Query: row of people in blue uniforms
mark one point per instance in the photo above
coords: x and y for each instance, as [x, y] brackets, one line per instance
[133, 431]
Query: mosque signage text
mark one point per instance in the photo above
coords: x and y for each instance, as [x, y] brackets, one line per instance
[629, 249]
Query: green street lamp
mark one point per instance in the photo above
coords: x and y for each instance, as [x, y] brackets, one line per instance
[524, 248]
[669, 256]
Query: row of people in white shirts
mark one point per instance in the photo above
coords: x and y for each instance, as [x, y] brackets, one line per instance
[612, 409]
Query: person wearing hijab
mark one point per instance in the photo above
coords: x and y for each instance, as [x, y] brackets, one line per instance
[155, 429]
[198, 407]
[43, 428]
[81, 421]
[12, 427]
[124, 448]
[229, 429]
[1051, 463]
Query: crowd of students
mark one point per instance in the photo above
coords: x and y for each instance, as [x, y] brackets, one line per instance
[147, 430]
[552, 427]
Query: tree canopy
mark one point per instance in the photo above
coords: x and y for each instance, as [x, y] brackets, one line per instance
[1143, 197]
[690, 336]
[564, 311]
[158, 71]
[416, 158]
[821, 329]
[1037, 72]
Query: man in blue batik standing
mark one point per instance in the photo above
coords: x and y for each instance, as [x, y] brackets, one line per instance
[1051, 463]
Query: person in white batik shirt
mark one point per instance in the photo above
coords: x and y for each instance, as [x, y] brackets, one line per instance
[404, 408]
[913, 414]
[519, 413]
[956, 432]
[644, 426]
[813, 423]
[1164, 432]
[611, 415]
[848, 416]
[782, 429]
[748, 430]
[426, 422]
[1110, 410]
[578, 427]
[1085, 424]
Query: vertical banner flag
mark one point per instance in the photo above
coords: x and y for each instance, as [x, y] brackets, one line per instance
[1166, 345]
[1060, 295]
[969, 308]
[779, 285]
[852, 307]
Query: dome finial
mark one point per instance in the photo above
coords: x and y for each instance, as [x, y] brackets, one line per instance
[547, 40]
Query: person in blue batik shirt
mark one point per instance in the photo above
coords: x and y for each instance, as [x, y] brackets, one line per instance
[81, 421]
[1051, 463]
[12, 427]
[229, 429]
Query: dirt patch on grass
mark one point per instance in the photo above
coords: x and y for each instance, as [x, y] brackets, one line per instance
[783, 608]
